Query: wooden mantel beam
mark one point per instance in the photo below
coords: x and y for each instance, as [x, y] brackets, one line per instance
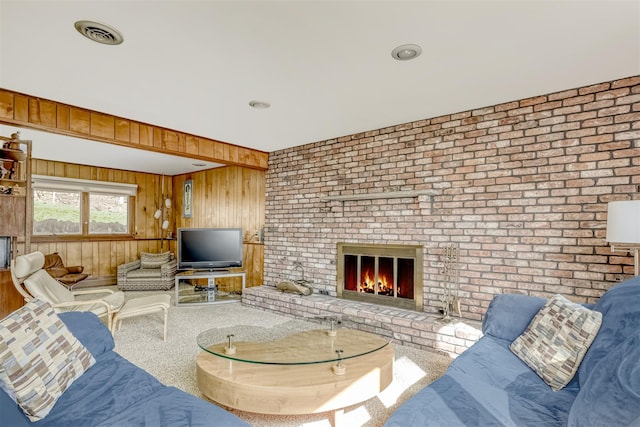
[31, 112]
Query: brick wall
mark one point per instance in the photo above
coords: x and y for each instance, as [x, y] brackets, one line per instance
[522, 189]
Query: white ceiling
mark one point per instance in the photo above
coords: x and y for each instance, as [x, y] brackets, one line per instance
[324, 66]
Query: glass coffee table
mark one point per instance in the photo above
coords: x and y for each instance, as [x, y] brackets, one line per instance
[275, 371]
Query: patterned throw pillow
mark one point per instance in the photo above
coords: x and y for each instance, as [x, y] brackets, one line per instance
[556, 340]
[39, 358]
[148, 260]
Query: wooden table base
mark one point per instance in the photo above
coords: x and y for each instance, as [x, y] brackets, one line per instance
[293, 389]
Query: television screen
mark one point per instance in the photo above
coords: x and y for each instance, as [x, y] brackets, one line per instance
[209, 248]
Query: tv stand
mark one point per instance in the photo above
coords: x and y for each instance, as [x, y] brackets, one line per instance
[192, 289]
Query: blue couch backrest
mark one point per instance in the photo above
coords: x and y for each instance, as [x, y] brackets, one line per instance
[620, 308]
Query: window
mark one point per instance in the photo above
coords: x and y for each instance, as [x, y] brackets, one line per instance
[75, 207]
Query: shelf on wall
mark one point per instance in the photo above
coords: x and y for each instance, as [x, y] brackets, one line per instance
[381, 195]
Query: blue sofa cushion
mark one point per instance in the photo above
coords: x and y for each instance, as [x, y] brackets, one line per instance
[611, 395]
[487, 385]
[620, 308]
[508, 315]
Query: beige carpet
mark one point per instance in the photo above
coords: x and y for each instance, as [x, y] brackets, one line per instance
[173, 361]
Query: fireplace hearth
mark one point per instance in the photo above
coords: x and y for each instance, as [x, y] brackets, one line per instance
[381, 274]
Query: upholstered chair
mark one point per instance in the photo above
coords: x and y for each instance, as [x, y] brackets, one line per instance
[149, 272]
[67, 275]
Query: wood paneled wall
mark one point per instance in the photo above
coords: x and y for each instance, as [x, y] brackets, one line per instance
[224, 197]
[101, 257]
[228, 197]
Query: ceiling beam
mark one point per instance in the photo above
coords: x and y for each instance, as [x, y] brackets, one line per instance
[31, 112]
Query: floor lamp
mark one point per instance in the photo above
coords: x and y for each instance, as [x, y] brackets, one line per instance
[623, 228]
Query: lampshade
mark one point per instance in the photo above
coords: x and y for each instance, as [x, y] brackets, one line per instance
[623, 222]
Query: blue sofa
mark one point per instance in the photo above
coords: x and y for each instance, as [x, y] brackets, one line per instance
[114, 392]
[488, 385]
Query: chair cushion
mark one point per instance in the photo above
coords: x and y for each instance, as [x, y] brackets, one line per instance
[27, 264]
[44, 287]
[149, 260]
[70, 279]
[557, 339]
[39, 358]
[142, 273]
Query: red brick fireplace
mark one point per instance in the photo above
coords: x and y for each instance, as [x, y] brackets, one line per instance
[520, 187]
[380, 274]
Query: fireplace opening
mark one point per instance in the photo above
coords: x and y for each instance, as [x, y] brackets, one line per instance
[382, 274]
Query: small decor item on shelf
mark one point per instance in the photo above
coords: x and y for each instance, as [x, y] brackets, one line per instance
[4, 172]
[11, 148]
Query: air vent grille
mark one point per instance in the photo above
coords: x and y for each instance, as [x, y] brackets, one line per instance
[99, 33]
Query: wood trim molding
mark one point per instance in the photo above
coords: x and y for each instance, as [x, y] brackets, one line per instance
[31, 112]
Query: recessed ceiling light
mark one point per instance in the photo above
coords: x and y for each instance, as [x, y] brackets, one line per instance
[406, 52]
[260, 105]
[100, 33]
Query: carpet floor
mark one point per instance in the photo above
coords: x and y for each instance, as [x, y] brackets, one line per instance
[173, 362]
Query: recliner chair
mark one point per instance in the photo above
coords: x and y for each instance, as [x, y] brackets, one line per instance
[32, 281]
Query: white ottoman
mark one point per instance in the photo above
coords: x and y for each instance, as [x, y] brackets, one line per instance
[141, 306]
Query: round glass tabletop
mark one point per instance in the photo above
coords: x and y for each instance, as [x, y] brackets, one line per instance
[288, 347]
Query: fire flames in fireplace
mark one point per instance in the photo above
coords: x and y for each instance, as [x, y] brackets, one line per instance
[369, 285]
[385, 274]
[379, 275]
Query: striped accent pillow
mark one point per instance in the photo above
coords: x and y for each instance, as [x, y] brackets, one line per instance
[39, 358]
[557, 339]
[148, 260]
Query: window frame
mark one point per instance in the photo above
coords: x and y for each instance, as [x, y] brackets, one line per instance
[86, 187]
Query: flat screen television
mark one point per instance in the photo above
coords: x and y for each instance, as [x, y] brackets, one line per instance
[209, 248]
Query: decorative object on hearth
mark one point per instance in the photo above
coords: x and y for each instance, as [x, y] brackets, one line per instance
[297, 286]
[623, 228]
[450, 301]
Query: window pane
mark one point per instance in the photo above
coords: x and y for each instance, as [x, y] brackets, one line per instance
[108, 214]
[56, 212]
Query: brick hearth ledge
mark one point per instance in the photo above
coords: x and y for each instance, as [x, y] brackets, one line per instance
[404, 327]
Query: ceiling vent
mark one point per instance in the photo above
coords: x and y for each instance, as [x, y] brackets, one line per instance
[99, 33]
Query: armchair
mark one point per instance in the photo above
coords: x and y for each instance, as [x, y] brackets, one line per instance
[33, 282]
[67, 275]
[150, 272]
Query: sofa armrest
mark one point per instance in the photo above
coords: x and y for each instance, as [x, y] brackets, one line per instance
[509, 315]
[123, 269]
[169, 269]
